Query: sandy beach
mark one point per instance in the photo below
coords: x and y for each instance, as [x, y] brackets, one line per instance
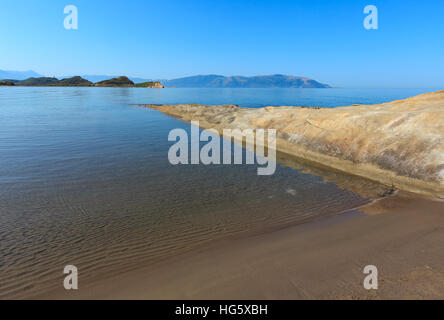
[137, 227]
[400, 232]
[176, 152]
[402, 235]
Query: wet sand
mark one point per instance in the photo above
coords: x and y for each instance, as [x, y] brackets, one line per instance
[402, 235]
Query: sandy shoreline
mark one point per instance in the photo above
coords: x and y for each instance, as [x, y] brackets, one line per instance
[398, 143]
[402, 235]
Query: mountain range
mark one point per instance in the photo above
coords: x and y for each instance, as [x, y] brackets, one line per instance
[218, 81]
[18, 75]
[199, 81]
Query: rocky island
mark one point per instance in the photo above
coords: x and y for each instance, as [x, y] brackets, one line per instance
[400, 143]
[78, 81]
[126, 82]
[7, 83]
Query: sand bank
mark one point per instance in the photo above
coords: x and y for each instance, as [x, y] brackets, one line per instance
[399, 144]
[319, 260]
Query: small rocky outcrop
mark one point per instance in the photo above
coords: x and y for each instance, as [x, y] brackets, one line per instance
[149, 84]
[116, 82]
[7, 83]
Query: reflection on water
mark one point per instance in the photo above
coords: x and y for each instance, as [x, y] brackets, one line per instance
[85, 180]
[363, 187]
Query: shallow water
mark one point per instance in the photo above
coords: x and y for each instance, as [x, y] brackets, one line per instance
[85, 180]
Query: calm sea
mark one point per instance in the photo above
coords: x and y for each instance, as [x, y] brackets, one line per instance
[85, 180]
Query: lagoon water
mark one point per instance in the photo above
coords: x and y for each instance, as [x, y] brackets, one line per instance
[85, 180]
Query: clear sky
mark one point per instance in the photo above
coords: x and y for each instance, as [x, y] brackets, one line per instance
[320, 39]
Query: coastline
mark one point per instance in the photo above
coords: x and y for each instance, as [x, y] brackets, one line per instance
[398, 144]
[323, 258]
[401, 234]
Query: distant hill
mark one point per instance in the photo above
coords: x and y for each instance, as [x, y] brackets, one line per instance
[45, 81]
[15, 82]
[78, 81]
[74, 82]
[7, 83]
[41, 81]
[98, 78]
[18, 75]
[115, 82]
[218, 81]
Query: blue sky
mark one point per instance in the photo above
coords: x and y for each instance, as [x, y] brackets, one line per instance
[320, 39]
